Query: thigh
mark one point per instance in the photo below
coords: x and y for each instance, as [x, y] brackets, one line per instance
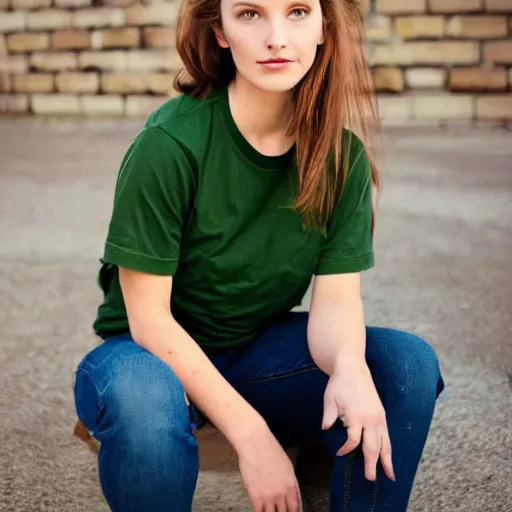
[278, 377]
[119, 385]
[404, 367]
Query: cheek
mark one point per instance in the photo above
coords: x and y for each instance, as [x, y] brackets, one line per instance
[242, 44]
[308, 46]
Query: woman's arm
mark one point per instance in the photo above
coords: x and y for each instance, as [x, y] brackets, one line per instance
[336, 328]
[147, 299]
[266, 470]
[337, 341]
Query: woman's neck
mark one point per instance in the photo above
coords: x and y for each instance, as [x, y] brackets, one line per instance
[259, 115]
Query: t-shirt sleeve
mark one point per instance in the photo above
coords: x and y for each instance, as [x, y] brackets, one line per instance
[152, 199]
[349, 244]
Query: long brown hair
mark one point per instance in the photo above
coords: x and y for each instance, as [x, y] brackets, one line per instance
[335, 98]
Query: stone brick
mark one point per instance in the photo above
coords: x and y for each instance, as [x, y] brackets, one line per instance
[159, 37]
[27, 42]
[98, 17]
[477, 27]
[141, 106]
[13, 103]
[498, 5]
[30, 4]
[474, 79]
[388, 79]
[33, 82]
[494, 106]
[105, 61]
[53, 61]
[415, 27]
[432, 52]
[77, 82]
[498, 52]
[73, 3]
[152, 60]
[55, 104]
[425, 78]
[5, 83]
[13, 21]
[443, 106]
[155, 14]
[161, 83]
[71, 39]
[125, 83]
[394, 109]
[13, 64]
[364, 6]
[115, 38]
[49, 19]
[401, 6]
[449, 6]
[378, 28]
[103, 105]
[123, 3]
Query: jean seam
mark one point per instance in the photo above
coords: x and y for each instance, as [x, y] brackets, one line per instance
[348, 482]
[374, 500]
[98, 394]
[276, 377]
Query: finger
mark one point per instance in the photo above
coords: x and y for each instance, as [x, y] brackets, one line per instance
[330, 414]
[269, 506]
[293, 500]
[386, 455]
[258, 505]
[371, 450]
[354, 438]
[299, 497]
[280, 505]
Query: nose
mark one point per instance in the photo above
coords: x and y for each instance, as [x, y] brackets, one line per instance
[276, 38]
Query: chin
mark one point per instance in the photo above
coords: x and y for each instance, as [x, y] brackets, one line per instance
[276, 83]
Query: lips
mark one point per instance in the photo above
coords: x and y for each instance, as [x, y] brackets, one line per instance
[274, 61]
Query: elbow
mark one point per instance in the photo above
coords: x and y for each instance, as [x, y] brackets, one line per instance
[149, 329]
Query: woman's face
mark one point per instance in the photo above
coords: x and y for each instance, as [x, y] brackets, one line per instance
[273, 42]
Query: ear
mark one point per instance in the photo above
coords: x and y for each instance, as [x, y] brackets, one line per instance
[219, 35]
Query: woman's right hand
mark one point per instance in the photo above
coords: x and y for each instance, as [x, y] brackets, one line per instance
[268, 474]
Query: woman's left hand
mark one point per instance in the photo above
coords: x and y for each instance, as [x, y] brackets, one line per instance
[351, 395]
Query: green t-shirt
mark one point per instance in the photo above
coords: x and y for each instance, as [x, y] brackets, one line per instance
[195, 200]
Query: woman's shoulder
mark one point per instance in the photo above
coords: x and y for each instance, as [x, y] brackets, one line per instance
[353, 146]
[184, 116]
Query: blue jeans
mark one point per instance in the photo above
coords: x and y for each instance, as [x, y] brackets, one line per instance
[134, 404]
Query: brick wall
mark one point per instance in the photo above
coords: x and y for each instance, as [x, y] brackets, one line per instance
[434, 61]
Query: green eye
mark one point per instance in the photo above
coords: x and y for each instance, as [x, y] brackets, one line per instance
[298, 13]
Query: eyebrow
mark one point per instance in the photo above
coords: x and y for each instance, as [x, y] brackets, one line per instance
[245, 4]
[251, 4]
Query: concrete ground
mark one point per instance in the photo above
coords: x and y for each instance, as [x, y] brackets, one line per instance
[444, 266]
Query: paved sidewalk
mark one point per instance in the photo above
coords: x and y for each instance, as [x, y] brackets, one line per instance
[444, 267]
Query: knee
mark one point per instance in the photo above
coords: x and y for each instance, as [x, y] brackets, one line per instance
[145, 401]
[412, 368]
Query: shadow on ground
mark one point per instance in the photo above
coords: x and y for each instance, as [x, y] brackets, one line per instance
[444, 264]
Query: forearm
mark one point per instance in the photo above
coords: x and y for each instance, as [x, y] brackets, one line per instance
[337, 333]
[202, 382]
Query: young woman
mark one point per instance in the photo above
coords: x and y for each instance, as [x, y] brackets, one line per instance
[233, 196]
